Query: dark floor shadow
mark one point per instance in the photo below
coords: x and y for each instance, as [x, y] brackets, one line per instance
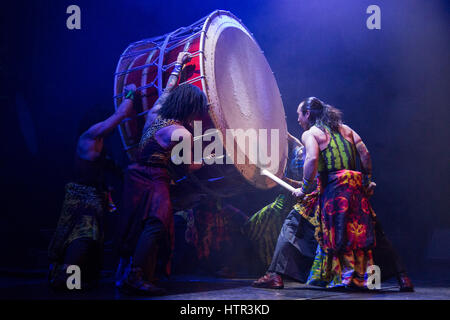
[347, 290]
[185, 285]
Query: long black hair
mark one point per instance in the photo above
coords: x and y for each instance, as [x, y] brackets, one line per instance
[322, 114]
[183, 102]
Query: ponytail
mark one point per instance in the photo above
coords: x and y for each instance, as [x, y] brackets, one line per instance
[322, 114]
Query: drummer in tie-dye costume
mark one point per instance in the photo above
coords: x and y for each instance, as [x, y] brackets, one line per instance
[293, 256]
[346, 223]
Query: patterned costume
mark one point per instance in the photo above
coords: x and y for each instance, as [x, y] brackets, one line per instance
[214, 231]
[147, 196]
[81, 217]
[264, 227]
[346, 223]
[78, 238]
[296, 245]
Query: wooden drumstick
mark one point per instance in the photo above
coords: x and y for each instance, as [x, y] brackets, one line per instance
[186, 49]
[285, 185]
[203, 135]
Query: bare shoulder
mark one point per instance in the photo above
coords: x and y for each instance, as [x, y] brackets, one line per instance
[316, 131]
[312, 133]
[307, 134]
[86, 146]
[87, 136]
[82, 142]
[319, 134]
[347, 132]
[172, 134]
[345, 127]
[180, 129]
[173, 129]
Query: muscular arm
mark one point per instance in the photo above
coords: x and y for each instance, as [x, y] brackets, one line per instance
[294, 183]
[366, 164]
[298, 157]
[366, 161]
[311, 164]
[172, 82]
[312, 156]
[102, 129]
[293, 139]
[125, 110]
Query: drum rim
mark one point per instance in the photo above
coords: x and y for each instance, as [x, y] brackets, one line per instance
[205, 24]
[117, 91]
[207, 89]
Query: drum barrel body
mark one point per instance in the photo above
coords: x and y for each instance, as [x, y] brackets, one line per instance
[224, 56]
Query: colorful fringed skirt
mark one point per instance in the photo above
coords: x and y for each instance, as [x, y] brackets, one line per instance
[346, 233]
[265, 225]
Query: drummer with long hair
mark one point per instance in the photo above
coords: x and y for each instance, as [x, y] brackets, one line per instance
[148, 233]
[347, 230]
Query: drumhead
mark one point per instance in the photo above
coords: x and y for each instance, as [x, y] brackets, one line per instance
[229, 66]
[242, 91]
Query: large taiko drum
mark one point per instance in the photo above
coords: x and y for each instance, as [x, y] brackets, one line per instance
[230, 68]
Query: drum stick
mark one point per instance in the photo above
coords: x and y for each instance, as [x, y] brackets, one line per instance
[203, 135]
[186, 49]
[212, 156]
[269, 174]
[187, 45]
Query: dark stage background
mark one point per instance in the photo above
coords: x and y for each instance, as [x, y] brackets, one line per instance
[392, 84]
